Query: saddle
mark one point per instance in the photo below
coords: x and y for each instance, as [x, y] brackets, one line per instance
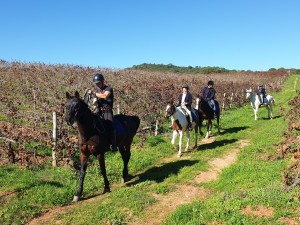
[194, 117]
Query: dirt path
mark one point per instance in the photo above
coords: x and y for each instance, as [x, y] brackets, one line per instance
[187, 193]
[183, 194]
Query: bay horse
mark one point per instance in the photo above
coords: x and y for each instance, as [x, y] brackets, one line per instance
[180, 125]
[94, 137]
[207, 113]
[269, 101]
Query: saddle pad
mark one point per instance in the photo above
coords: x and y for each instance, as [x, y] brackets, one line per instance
[194, 117]
[119, 127]
[265, 100]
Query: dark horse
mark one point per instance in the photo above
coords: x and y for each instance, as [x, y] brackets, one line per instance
[207, 113]
[94, 137]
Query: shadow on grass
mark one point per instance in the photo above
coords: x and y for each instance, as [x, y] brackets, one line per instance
[160, 173]
[274, 118]
[215, 144]
[233, 129]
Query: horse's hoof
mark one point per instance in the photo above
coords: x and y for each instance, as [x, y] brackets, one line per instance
[124, 180]
[179, 155]
[106, 190]
[76, 198]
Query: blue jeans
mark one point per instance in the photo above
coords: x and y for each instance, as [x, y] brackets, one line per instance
[213, 104]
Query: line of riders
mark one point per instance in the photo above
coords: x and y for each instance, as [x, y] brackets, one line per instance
[105, 101]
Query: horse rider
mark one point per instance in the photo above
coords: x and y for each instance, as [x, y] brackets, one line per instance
[208, 94]
[185, 100]
[261, 92]
[105, 97]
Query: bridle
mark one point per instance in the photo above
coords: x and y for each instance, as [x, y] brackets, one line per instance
[170, 111]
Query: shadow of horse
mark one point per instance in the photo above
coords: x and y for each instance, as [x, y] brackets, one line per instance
[160, 173]
[94, 137]
[234, 129]
[216, 144]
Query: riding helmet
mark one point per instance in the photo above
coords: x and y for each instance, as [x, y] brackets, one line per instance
[185, 86]
[98, 77]
[210, 82]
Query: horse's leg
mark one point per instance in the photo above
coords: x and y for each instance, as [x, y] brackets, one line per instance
[271, 111]
[188, 140]
[126, 154]
[196, 135]
[83, 160]
[101, 159]
[207, 128]
[180, 143]
[255, 112]
[218, 122]
[174, 135]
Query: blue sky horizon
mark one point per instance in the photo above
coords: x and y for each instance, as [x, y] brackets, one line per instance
[241, 35]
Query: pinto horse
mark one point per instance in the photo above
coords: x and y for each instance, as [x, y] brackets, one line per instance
[207, 113]
[180, 125]
[269, 101]
[94, 137]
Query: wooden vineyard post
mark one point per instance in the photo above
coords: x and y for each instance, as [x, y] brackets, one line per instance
[54, 139]
[223, 105]
[118, 109]
[156, 128]
[231, 100]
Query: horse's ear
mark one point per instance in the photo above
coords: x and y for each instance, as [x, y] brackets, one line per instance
[77, 94]
[68, 95]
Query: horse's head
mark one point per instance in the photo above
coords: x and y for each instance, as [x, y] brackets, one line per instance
[248, 93]
[74, 108]
[170, 109]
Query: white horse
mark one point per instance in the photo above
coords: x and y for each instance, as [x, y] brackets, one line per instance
[269, 101]
[180, 125]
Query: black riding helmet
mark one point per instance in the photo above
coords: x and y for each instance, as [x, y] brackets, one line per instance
[185, 86]
[98, 77]
[210, 82]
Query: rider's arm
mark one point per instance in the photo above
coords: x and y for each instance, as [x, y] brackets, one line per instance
[104, 95]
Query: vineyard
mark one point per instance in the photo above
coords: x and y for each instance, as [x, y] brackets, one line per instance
[31, 93]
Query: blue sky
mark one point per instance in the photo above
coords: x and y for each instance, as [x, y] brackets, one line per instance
[235, 34]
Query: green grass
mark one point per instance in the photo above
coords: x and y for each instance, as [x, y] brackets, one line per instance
[253, 180]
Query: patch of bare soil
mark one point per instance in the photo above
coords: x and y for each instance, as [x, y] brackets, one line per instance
[261, 211]
[168, 203]
[217, 164]
[290, 220]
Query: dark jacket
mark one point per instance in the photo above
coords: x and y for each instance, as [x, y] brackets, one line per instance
[208, 93]
[188, 100]
[261, 92]
[106, 103]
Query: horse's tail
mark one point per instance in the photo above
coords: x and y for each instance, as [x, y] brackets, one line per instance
[273, 101]
[138, 121]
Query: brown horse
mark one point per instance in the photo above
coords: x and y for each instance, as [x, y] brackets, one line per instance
[207, 113]
[94, 137]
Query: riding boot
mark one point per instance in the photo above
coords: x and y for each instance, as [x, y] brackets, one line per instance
[113, 139]
[261, 100]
